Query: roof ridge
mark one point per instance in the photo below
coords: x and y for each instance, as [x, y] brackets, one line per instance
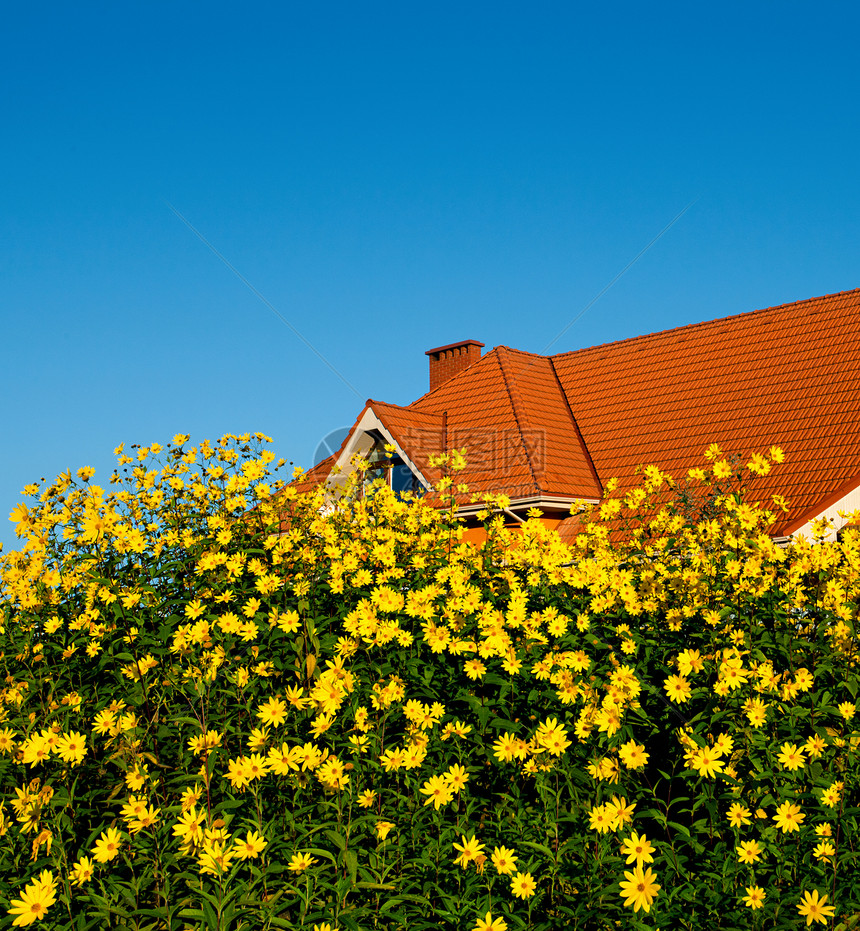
[405, 408]
[705, 323]
[520, 415]
[522, 352]
[371, 401]
[578, 432]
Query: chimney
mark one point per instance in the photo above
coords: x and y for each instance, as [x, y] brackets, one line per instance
[448, 361]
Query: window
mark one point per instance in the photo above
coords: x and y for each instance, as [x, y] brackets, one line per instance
[403, 479]
[391, 468]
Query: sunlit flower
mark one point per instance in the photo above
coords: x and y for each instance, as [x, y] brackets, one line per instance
[522, 885]
[814, 908]
[738, 815]
[38, 896]
[470, 849]
[299, 862]
[749, 851]
[488, 923]
[754, 898]
[788, 817]
[504, 860]
[383, 829]
[107, 846]
[637, 849]
[251, 847]
[639, 888]
[82, 871]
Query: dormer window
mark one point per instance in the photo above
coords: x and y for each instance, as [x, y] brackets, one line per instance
[391, 468]
[403, 479]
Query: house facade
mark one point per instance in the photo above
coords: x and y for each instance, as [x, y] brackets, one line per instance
[547, 431]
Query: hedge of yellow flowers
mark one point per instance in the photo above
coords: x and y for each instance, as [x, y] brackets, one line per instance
[226, 704]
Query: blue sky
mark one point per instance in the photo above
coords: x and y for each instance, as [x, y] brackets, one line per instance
[391, 177]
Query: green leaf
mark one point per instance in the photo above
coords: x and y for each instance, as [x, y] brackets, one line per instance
[351, 860]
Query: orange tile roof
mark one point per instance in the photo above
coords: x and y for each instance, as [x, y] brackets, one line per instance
[786, 375]
[316, 475]
[560, 426]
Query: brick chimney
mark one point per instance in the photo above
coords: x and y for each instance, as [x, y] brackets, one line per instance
[448, 361]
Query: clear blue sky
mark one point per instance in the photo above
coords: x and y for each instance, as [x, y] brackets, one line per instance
[392, 177]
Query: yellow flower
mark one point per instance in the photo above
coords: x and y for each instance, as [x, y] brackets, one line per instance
[639, 888]
[367, 798]
[273, 712]
[754, 898]
[257, 766]
[35, 750]
[72, 747]
[146, 818]
[623, 812]
[251, 847]
[470, 850]
[552, 737]
[523, 886]
[706, 761]
[824, 851]
[438, 791]
[82, 871]
[7, 740]
[602, 818]
[383, 829]
[677, 688]
[788, 817]
[215, 857]
[756, 711]
[506, 747]
[107, 846]
[633, 755]
[189, 827]
[638, 849]
[814, 908]
[237, 772]
[791, 757]
[749, 851]
[504, 860]
[135, 778]
[738, 815]
[194, 609]
[488, 923]
[299, 862]
[456, 777]
[38, 896]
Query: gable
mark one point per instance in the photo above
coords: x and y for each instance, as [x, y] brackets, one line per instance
[511, 415]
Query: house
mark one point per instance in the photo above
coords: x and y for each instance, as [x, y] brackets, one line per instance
[550, 430]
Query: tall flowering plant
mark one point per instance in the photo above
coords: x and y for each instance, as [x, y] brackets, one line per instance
[228, 704]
